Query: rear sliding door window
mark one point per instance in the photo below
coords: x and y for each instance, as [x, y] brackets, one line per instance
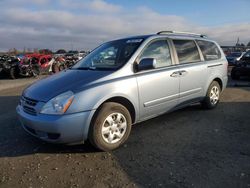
[209, 50]
[187, 51]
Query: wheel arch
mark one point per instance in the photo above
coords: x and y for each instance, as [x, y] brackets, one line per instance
[214, 78]
[118, 99]
[217, 79]
[123, 101]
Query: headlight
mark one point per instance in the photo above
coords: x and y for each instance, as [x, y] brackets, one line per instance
[59, 104]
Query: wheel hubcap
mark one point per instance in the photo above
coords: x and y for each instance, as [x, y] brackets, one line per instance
[214, 95]
[114, 128]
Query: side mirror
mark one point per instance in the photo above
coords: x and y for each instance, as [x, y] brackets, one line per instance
[146, 64]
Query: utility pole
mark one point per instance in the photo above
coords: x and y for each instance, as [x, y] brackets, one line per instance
[238, 42]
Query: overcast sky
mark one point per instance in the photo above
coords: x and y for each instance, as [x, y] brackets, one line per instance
[84, 24]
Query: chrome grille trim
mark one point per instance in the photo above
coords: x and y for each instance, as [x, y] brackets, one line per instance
[28, 105]
[29, 110]
[28, 101]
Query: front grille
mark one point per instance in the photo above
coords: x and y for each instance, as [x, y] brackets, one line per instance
[29, 110]
[28, 101]
[28, 105]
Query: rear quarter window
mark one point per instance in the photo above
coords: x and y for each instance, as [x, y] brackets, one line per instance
[187, 51]
[209, 50]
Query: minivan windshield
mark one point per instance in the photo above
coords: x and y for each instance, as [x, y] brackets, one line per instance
[109, 56]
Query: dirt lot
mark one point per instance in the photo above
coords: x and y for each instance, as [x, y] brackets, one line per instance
[187, 148]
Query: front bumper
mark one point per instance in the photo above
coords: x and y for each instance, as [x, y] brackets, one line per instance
[67, 128]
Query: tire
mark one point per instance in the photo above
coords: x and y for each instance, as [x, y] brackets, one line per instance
[13, 73]
[102, 134]
[213, 96]
[234, 74]
[61, 68]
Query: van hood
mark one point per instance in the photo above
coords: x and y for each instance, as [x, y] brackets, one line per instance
[69, 80]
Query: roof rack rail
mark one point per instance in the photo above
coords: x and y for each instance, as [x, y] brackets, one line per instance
[182, 33]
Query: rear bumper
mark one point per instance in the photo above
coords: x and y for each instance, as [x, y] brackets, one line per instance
[68, 128]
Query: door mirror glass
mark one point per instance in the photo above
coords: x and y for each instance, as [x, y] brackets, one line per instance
[146, 64]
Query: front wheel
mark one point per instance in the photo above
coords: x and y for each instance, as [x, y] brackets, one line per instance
[213, 96]
[110, 127]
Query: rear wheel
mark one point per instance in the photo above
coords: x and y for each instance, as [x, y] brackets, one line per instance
[110, 127]
[213, 96]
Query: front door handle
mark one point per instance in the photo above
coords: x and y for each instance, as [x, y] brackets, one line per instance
[175, 74]
[183, 72]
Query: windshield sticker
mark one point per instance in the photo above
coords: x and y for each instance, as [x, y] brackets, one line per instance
[134, 40]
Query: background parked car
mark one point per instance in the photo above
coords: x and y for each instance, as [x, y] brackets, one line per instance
[82, 54]
[232, 57]
[239, 58]
[58, 64]
[60, 53]
[35, 64]
[3, 58]
[71, 58]
[242, 68]
[9, 65]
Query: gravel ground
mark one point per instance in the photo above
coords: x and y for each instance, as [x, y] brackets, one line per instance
[187, 148]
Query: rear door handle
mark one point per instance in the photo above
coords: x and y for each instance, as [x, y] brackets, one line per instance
[175, 74]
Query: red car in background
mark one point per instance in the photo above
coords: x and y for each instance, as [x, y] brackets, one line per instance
[35, 64]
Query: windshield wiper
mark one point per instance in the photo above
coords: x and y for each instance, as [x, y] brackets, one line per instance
[83, 68]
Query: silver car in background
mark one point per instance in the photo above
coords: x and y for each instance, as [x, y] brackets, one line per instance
[121, 83]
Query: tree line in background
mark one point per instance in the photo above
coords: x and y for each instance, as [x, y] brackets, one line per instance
[242, 44]
[14, 51]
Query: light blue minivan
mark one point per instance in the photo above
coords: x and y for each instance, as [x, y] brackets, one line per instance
[121, 83]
